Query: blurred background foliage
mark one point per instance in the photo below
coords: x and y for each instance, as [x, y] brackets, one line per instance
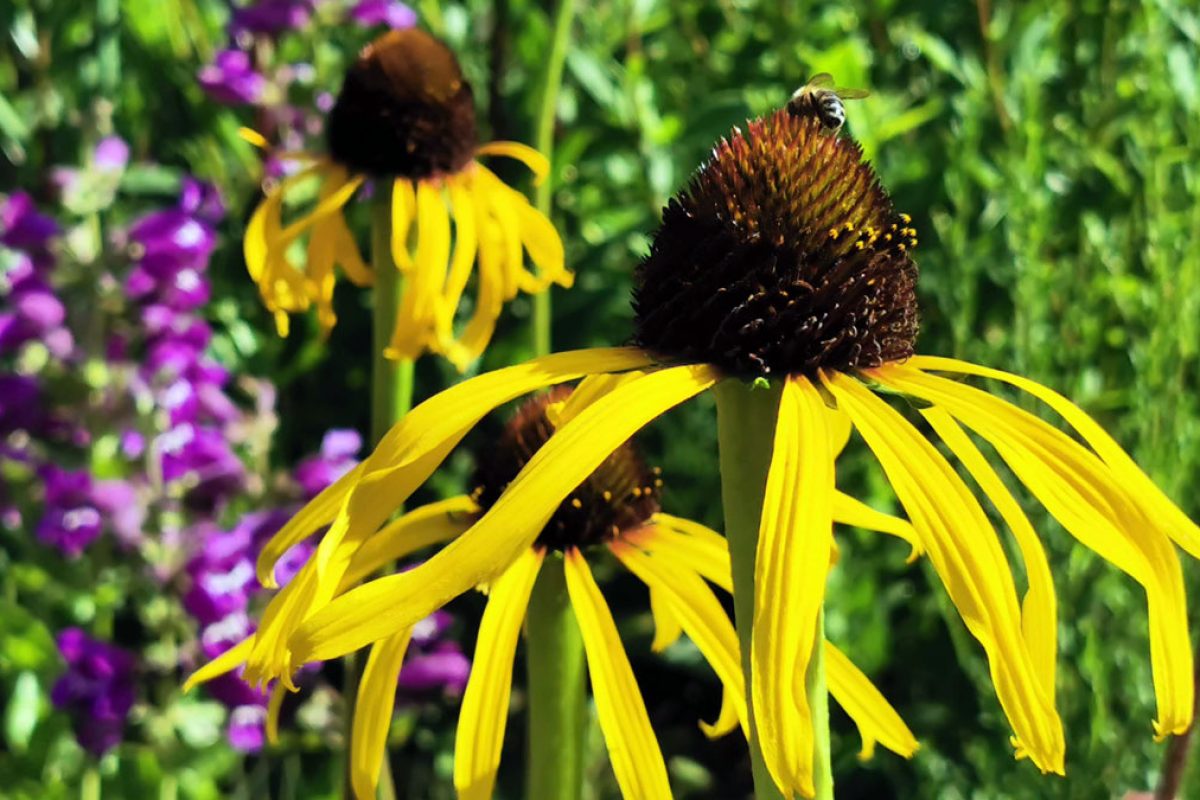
[1047, 152]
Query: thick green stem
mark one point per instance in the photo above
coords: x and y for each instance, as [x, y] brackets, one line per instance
[557, 692]
[544, 142]
[391, 398]
[391, 381]
[746, 435]
[556, 664]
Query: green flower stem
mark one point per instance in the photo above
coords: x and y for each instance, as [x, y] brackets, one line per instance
[746, 435]
[557, 693]
[391, 398]
[391, 381]
[89, 787]
[556, 664]
[544, 143]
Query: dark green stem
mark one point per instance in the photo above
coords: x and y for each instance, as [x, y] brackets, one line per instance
[746, 435]
[544, 143]
[557, 697]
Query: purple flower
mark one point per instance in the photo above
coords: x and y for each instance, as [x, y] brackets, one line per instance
[433, 663]
[202, 462]
[97, 689]
[71, 519]
[383, 12]
[270, 17]
[222, 576]
[338, 454]
[224, 634]
[35, 312]
[23, 227]
[111, 154]
[124, 511]
[231, 79]
[247, 726]
[21, 406]
[202, 200]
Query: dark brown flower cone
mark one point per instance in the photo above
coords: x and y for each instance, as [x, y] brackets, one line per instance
[782, 256]
[404, 110]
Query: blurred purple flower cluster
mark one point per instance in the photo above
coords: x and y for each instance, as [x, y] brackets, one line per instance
[122, 451]
[235, 78]
[96, 691]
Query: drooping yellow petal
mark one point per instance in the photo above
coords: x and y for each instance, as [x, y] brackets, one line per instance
[348, 256]
[490, 282]
[877, 721]
[851, 511]
[543, 244]
[692, 602]
[1156, 505]
[466, 248]
[317, 512]
[727, 718]
[667, 628]
[274, 704]
[704, 556]
[1095, 504]
[428, 525]
[404, 210]
[343, 188]
[967, 556]
[484, 714]
[373, 712]
[510, 526]
[794, 539]
[416, 319]
[538, 164]
[1039, 610]
[228, 661]
[633, 749]
[501, 202]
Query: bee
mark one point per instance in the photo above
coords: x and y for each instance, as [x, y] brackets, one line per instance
[818, 98]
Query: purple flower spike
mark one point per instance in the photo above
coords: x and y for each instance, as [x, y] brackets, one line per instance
[72, 519]
[97, 689]
[338, 454]
[383, 12]
[231, 79]
[271, 17]
[23, 227]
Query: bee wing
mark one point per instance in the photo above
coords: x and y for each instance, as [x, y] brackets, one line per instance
[851, 94]
[822, 80]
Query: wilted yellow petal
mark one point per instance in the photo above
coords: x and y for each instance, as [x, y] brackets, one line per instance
[510, 526]
[1039, 610]
[794, 540]
[967, 555]
[877, 721]
[850, 511]
[692, 603]
[633, 749]
[373, 712]
[538, 164]
[484, 714]
[1094, 503]
[1157, 507]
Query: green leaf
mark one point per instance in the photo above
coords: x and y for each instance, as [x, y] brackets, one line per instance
[24, 708]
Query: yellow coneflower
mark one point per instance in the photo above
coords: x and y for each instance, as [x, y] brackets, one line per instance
[405, 120]
[616, 508]
[785, 262]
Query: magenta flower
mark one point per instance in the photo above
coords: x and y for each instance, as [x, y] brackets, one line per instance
[383, 12]
[71, 519]
[270, 17]
[23, 228]
[339, 451]
[231, 79]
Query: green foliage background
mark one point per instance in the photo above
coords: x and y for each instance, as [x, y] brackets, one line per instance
[1048, 154]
